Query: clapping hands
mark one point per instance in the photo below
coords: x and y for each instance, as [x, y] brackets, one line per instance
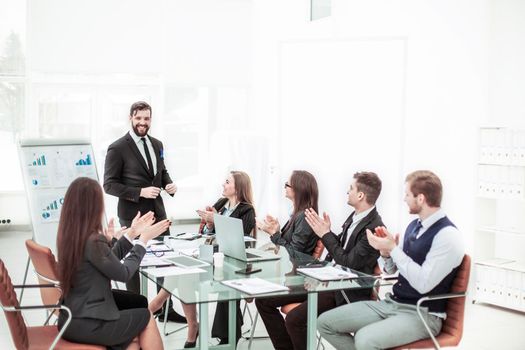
[270, 225]
[207, 215]
[320, 226]
[143, 225]
[382, 240]
[110, 232]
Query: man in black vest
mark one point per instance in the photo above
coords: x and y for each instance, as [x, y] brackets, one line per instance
[427, 260]
[134, 172]
[350, 249]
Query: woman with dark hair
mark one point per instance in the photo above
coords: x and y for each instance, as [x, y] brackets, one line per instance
[87, 264]
[236, 202]
[296, 235]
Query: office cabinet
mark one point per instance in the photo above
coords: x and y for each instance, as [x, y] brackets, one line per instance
[499, 242]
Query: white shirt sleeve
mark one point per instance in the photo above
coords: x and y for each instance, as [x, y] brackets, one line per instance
[445, 254]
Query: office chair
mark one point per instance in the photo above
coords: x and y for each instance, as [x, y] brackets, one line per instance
[46, 270]
[452, 329]
[33, 338]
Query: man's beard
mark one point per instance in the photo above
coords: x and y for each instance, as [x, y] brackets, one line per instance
[136, 130]
[415, 210]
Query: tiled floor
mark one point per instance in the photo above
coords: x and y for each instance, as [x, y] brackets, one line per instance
[486, 327]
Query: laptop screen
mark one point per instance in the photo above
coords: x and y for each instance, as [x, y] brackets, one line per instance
[230, 236]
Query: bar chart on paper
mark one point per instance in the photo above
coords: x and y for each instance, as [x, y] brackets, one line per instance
[48, 168]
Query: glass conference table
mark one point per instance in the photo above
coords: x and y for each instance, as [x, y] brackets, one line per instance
[206, 287]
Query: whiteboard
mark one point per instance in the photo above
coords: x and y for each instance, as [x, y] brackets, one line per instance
[48, 167]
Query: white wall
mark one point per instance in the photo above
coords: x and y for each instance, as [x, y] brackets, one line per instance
[463, 68]
[446, 89]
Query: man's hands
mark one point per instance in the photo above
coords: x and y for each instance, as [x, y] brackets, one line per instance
[270, 225]
[151, 192]
[382, 240]
[207, 215]
[171, 188]
[320, 226]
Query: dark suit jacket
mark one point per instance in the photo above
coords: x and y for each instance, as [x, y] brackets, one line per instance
[90, 295]
[358, 254]
[297, 235]
[126, 172]
[244, 211]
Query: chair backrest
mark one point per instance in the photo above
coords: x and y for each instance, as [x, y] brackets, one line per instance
[45, 265]
[15, 320]
[453, 325]
[318, 250]
[452, 328]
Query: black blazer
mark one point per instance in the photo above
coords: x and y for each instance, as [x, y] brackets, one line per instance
[90, 295]
[358, 255]
[244, 211]
[126, 172]
[297, 235]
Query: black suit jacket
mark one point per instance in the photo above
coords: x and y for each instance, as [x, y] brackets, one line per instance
[244, 211]
[90, 295]
[126, 172]
[296, 235]
[358, 254]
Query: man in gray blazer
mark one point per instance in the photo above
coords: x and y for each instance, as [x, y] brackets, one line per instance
[134, 172]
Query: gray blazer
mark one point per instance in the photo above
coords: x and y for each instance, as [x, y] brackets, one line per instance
[297, 235]
[90, 295]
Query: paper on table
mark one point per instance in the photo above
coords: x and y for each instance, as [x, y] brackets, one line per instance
[173, 271]
[159, 248]
[152, 260]
[193, 252]
[186, 235]
[150, 242]
[327, 273]
[254, 286]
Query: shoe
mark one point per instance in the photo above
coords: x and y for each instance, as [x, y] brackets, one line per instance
[223, 341]
[191, 344]
[173, 316]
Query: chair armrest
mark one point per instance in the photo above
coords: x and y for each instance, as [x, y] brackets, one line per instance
[49, 280]
[435, 297]
[23, 286]
[441, 296]
[36, 307]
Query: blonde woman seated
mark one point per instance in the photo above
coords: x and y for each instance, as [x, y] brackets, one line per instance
[236, 202]
[87, 264]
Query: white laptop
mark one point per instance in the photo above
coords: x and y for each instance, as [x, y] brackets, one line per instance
[230, 237]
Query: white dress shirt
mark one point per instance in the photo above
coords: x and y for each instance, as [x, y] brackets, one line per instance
[445, 254]
[356, 219]
[140, 146]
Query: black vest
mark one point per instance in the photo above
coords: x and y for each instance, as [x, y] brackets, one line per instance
[417, 249]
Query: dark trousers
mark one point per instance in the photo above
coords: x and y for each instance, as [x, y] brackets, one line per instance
[220, 322]
[290, 333]
[133, 284]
